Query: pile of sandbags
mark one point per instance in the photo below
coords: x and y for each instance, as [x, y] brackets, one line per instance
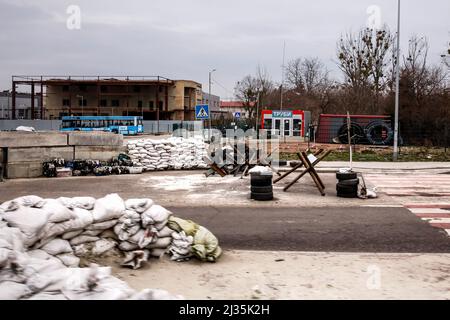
[39, 236]
[41, 275]
[174, 153]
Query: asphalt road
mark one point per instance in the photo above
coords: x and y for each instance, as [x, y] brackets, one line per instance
[331, 229]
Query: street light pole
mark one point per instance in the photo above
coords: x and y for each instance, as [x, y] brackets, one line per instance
[397, 90]
[209, 102]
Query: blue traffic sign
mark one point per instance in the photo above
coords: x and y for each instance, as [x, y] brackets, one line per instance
[237, 115]
[202, 112]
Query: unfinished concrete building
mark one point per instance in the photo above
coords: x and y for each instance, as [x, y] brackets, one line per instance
[152, 97]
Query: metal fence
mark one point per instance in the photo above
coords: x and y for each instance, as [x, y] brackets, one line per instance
[151, 126]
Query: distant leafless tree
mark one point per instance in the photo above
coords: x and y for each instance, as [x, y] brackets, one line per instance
[364, 59]
[307, 75]
[251, 88]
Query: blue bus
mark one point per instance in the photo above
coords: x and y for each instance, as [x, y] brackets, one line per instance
[126, 125]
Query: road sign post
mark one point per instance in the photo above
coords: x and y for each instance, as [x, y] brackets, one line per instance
[202, 113]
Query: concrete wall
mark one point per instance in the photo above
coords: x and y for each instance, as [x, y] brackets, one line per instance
[150, 126]
[26, 151]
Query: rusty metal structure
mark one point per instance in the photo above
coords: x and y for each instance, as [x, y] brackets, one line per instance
[43, 82]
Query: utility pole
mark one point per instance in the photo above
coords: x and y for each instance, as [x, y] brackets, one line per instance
[209, 102]
[257, 112]
[397, 90]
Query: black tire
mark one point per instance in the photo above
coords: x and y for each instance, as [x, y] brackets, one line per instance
[260, 181]
[346, 176]
[346, 189]
[356, 133]
[262, 189]
[351, 182]
[262, 196]
[379, 133]
[347, 195]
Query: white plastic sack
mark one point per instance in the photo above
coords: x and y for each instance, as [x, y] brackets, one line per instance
[138, 205]
[101, 246]
[57, 246]
[57, 211]
[156, 214]
[82, 239]
[108, 208]
[86, 203]
[69, 260]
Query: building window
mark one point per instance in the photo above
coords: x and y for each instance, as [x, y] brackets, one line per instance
[103, 103]
[140, 104]
[104, 89]
[65, 88]
[136, 89]
[82, 87]
[82, 102]
[161, 104]
[160, 89]
[21, 113]
[151, 105]
[66, 102]
[115, 103]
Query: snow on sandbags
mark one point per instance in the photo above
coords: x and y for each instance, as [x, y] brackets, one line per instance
[172, 153]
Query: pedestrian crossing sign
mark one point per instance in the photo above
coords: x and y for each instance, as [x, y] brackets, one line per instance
[202, 112]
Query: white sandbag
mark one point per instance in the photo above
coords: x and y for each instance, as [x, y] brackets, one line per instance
[82, 250]
[138, 205]
[86, 203]
[124, 233]
[156, 214]
[155, 294]
[128, 246]
[13, 291]
[30, 201]
[157, 253]
[47, 296]
[92, 233]
[135, 259]
[102, 225]
[161, 243]
[57, 211]
[83, 219]
[69, 260]
[71, 234]
[165, 232]
[101, 246]
[57, 246]
[30, 221]
[12, 239]
[109, 234]
[82, 239]
[108, 208]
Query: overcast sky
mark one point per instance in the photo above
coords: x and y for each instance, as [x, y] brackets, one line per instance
[184, 39]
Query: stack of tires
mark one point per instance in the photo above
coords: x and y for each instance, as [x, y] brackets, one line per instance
[261, 187]
[347, 186]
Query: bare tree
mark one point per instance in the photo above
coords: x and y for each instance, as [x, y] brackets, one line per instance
[364, 59]
[254, 89]
[306, 75]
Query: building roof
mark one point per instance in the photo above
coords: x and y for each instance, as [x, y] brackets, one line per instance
[234, 104]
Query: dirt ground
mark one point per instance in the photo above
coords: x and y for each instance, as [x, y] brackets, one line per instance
[183, 188]
[300, 275]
